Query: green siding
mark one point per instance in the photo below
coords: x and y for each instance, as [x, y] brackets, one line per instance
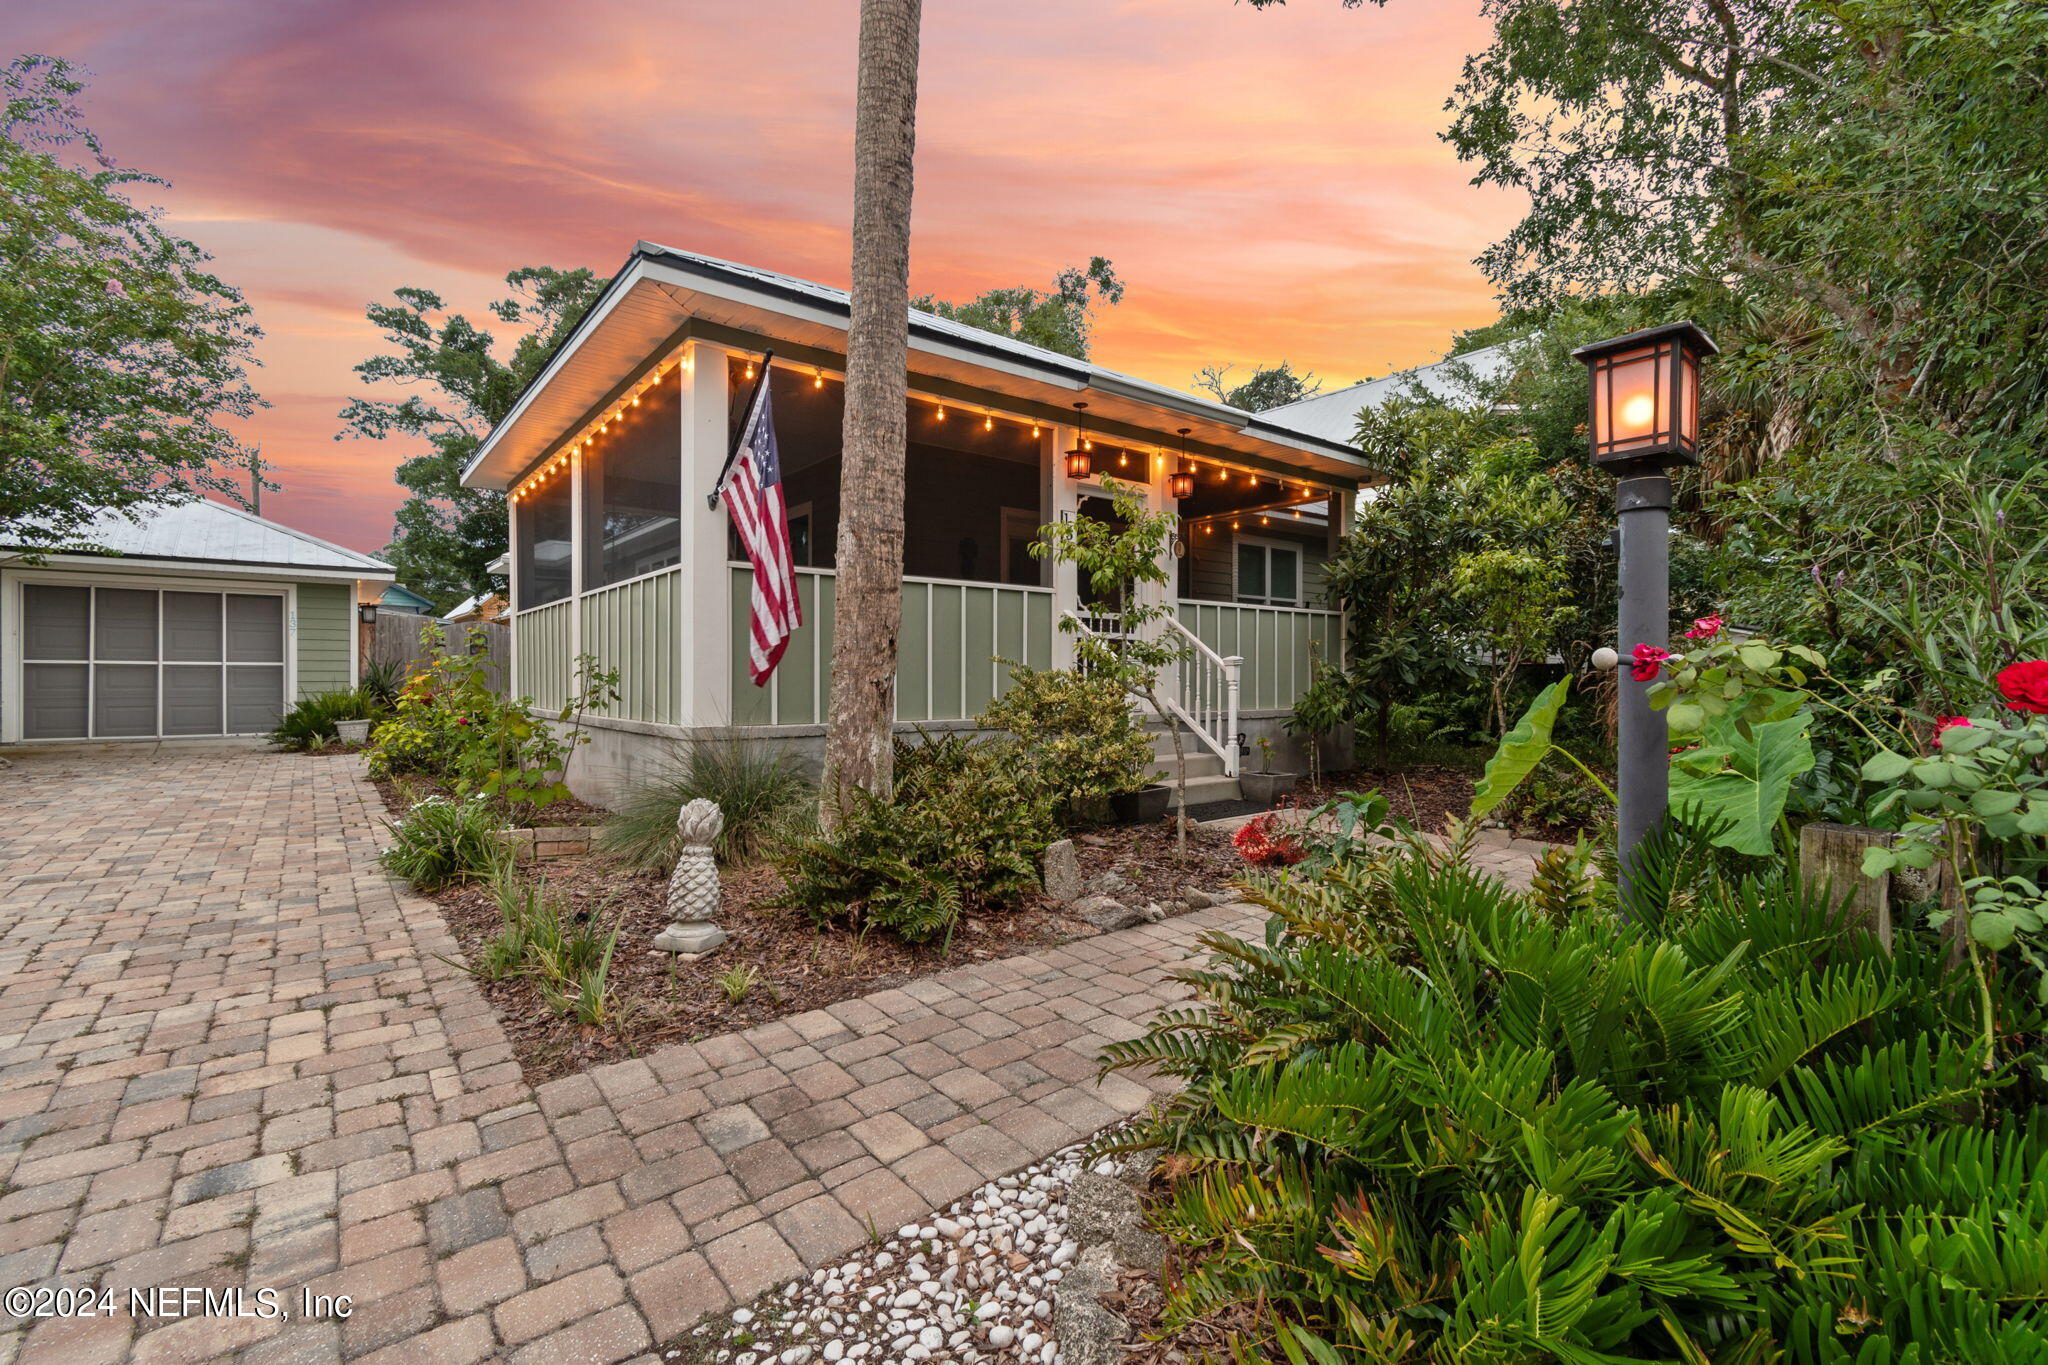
[632, 627]
[1274, 643]
[946, 655]
[326, 616]
[540, 649]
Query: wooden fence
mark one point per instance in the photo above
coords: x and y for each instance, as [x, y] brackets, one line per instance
[400, 638]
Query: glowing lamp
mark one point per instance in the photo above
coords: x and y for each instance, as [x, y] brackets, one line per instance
[1182, 484]
[1644, 407]
[1080, 464]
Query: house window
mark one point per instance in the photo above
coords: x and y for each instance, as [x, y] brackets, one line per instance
[1268, 573]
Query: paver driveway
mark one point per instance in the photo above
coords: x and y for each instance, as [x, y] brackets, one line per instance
[231, 1056]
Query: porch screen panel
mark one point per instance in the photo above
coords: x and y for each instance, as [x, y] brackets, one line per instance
[255, 698]
[193, 699]
[632, 628]
[192, 627]
[255, 629]
[124, 626]
[546, 542]
[123, 700]
[53, 702]
[633, 490]
[58, 624]
[541, 645]
[948, 636]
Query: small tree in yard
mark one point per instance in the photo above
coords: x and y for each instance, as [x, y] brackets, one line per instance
[1118, 556]
[122, 355]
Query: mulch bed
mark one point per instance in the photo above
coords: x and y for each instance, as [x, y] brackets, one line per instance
[567, 811]
[1421, 795]
[664, 1000]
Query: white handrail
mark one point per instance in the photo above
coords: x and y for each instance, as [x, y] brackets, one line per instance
[1207, 686]
[1208, 698]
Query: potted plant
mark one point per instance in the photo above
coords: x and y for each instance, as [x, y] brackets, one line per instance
[1142, 806]
[1266, 786]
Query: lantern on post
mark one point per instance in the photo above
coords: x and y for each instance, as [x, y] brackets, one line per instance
[1182, 484]
[1643, 417]
[1080, 464]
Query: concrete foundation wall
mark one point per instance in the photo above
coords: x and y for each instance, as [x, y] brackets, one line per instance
[624, 755]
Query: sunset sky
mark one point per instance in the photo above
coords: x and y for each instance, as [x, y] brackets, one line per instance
[1270, 184]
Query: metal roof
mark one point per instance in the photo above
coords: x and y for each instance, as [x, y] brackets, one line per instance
[662, 289]
[1334, 416]
[204, 531]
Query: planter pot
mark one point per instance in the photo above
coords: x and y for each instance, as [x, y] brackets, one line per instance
[1266, 788]
[353, 731]
[1145, 806]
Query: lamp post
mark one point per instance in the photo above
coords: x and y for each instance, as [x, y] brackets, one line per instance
[1643, 417]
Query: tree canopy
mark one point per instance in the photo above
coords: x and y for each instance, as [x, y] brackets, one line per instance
[122, 356]
[1268, 386]
[1059, 319]
[444, 533]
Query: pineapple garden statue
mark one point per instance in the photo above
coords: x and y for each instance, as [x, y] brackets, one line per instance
[693, 887]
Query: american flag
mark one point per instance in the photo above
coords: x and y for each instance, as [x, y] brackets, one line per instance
[753, 496]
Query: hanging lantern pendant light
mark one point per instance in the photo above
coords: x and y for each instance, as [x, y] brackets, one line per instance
[1182, 484]
[1080, 464]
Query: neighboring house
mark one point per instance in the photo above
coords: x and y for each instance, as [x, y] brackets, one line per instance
[399, 598]
[478, 607]
[1334, 415]
[204, 620]
[614, 552]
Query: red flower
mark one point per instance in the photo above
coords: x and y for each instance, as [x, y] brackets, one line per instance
[1947, 723]
[1649, 659]
[1266, 842]
[462, 720]
[2024, 686]
[1706, 628]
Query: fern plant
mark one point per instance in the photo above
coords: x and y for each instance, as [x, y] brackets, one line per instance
[1431, 1118]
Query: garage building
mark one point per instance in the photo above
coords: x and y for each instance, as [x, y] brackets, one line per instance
[202, 621]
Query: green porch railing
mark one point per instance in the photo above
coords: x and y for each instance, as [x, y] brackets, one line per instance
[946, 669]
[1272, 641]
[631, 627]
[540, 650]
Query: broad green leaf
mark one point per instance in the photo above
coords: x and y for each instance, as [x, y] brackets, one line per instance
[1886, 766]
[1762, 658]
[2035, 821]
[1965, 739]
[1986, 801]
[1521, 749]
[1750, 792]
[1685, 718]
[1992, 930]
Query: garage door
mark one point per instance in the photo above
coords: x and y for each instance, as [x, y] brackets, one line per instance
[114, 663]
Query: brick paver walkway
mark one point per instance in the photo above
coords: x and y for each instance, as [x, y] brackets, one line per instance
[230, 1056]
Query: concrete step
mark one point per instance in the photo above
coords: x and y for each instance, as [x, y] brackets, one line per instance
[1199, 762]
[1214, 788]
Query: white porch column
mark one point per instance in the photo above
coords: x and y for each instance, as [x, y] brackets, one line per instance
[705, 627]
[1062, 500]
[578, 548]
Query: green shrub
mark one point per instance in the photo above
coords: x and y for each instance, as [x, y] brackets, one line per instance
[1077, 737]
[1428, 1118]
[450, 725]
[765, 801]
[440, 841]
[309, 724]
[963, 835]
[381, 681]
[1553, 798]
[568, 958]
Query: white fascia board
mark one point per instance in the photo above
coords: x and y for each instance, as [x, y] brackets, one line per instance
[203, 569]
[621, 285]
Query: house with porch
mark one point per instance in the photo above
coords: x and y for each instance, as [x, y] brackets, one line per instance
[608, 456]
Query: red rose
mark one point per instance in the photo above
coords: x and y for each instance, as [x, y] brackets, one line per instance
[2024, 686]
[1648, 659]
[1706, 628]
[1948, 723]
[1266, 842]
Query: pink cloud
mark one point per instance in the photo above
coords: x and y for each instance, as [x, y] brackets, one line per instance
[1269, 183]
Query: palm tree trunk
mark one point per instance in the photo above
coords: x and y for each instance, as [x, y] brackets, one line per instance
[869, 606]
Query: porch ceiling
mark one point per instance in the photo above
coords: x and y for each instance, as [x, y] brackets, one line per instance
[662, 297]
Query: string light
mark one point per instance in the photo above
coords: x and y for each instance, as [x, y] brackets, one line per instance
[817, 379]
[988, 421]
[942, 412]
[750, 369]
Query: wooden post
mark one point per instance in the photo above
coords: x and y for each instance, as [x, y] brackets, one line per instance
[1833, 855]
